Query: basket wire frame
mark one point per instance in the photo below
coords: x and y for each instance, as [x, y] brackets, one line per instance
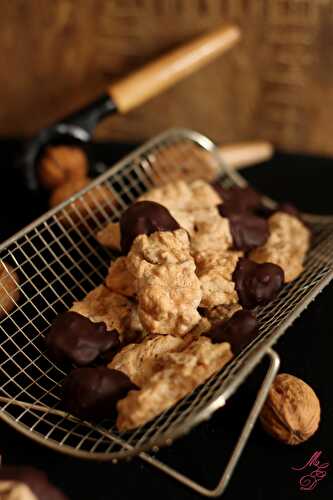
[57, 261]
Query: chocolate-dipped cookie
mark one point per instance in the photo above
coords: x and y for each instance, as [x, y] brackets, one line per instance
[144, 217]
[34, 479]
[286, 207]
[239, 330]
[73, 337]
[92, 393]
[257, 284]
[247, 230]
[238, 199]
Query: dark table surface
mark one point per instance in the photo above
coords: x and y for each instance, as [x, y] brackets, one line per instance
[265, 468]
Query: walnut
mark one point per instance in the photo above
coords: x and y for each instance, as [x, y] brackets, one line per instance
[61, 164]
[86, 207]
[292, 410]
[66, 190]
[9, 288]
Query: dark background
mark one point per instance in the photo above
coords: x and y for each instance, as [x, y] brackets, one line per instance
[264, 470]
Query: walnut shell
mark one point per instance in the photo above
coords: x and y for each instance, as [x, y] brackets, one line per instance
[67, 190]
[61, 164]
[291, 412]
[9, 289]
[91, 205]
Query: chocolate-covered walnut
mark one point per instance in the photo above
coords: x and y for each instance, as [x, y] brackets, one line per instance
[239, 331]
[61, 164]
[144, 217]
[248, 231]
[238, 199]
[75, 338]
[91, 393]
[257, 284]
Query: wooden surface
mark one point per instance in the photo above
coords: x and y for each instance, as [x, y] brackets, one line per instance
[174, 66]
[277, 84]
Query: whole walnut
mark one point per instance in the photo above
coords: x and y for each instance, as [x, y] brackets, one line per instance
[9, 288]
[91, 205]
[62, 164]
[67, 190]
[291, 412]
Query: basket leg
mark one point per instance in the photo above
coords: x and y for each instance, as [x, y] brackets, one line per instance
[246, 431]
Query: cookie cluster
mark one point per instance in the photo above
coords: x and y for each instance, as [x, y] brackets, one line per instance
[179, 303]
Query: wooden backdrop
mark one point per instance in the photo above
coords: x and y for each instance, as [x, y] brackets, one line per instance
[277, 84]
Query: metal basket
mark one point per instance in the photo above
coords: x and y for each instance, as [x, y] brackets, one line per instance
[59, 261]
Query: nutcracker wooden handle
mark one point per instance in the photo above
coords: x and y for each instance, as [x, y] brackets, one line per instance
[242, 154]
[127, 93]
[157, 76]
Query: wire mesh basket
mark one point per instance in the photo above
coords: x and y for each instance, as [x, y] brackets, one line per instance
[57, 261]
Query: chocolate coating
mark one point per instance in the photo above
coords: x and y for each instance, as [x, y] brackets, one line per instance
[289, 208]
[239, 330]
[75, 338]
[286, 207]
[92, 393]
[238, 199]
[248, 231]
[144, 217]
[35, 479]
[257, 284]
